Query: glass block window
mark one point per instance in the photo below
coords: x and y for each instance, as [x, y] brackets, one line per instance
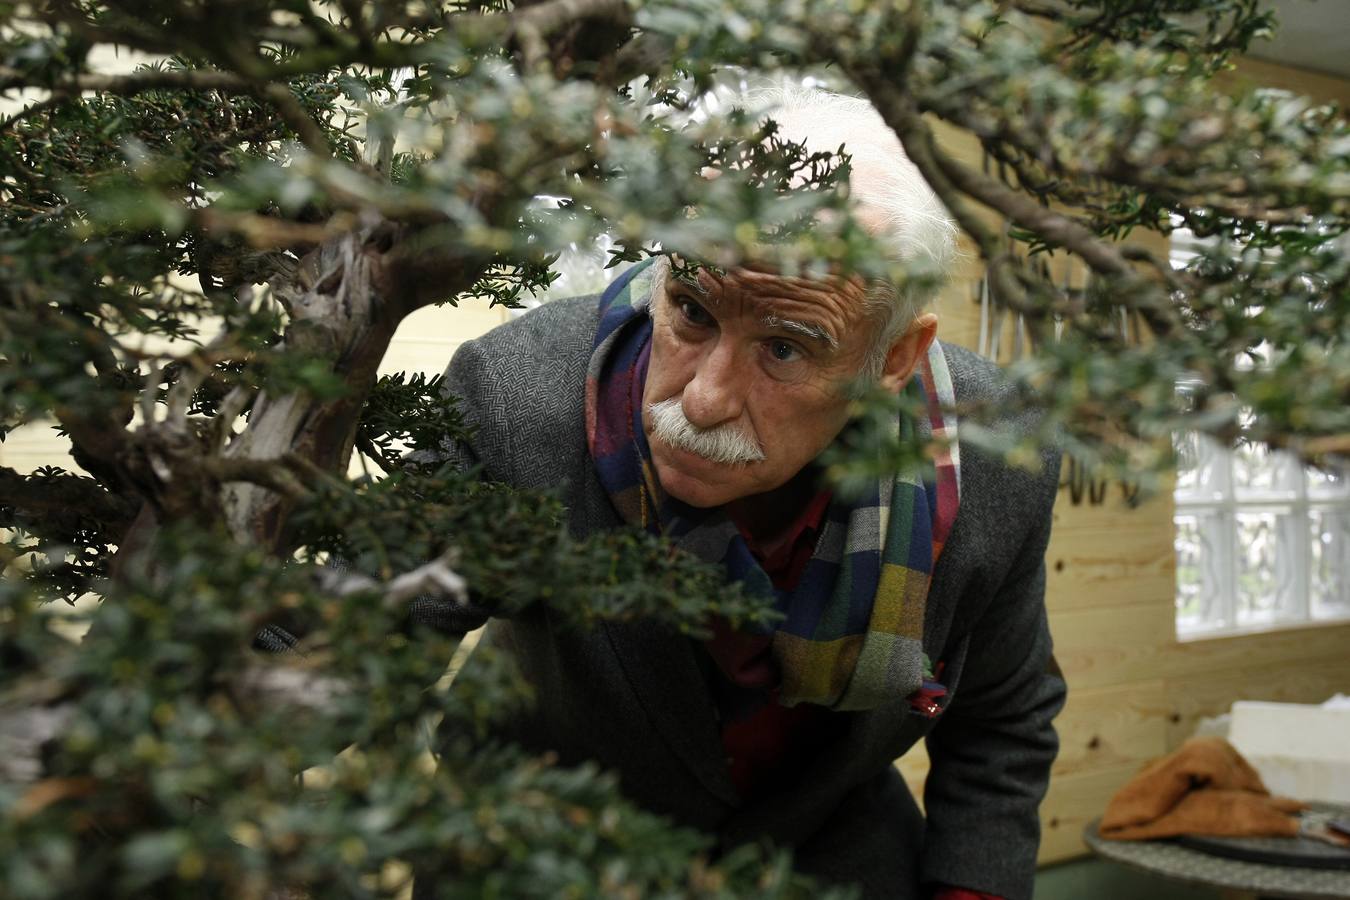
[1261, 540]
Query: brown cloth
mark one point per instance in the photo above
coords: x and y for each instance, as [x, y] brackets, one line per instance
[1205, 787]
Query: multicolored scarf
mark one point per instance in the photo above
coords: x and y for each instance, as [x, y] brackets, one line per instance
[851, 633]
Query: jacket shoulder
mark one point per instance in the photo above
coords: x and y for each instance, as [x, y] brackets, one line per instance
[986, 391]
[975, 378]
[1001, 498]
[521, 388]
[559, 329]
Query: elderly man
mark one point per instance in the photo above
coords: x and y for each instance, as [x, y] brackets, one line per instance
[695, 408]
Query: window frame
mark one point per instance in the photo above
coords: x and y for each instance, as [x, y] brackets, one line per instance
[1213, 507]
[1217, 502]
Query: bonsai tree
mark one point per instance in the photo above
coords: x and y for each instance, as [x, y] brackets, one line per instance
[203, 261]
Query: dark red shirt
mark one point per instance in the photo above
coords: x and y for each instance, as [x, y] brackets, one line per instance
[775, 740]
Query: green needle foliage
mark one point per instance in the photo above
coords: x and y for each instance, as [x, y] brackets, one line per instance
[205, 250]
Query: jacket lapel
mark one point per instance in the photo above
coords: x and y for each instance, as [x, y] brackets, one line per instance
[664, 674]
[659, 664]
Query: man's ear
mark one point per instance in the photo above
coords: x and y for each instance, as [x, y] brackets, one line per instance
[903, 357]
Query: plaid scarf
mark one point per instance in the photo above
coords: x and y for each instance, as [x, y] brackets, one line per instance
[851, 633]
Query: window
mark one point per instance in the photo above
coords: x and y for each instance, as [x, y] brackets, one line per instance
[1261, 539]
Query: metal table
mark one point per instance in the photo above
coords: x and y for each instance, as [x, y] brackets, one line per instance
[1175, 860]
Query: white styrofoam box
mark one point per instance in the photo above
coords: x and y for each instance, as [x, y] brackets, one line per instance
[1302, 751]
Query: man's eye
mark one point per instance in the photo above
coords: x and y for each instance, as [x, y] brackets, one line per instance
[695, 314]
[784, 351]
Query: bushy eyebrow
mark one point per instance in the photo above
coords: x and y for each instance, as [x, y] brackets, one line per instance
[693, 287]
[808, 330]
[805, 329]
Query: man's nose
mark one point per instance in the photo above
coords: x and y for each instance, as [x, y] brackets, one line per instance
[717, 392]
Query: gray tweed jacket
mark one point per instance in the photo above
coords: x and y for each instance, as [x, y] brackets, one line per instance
[633, 697]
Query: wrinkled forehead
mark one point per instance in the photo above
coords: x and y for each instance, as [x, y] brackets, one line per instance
[754, 282]
[827, 311]
[763, 286]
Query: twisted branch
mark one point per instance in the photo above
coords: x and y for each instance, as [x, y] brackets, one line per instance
[63, 494]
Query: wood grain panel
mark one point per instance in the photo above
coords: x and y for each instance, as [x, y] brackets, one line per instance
[1212, 693]
[1072, 802]
[1106, 728]
[958, 311]
[1132, 564]
[1112, 645]
[1114, 514]
[1121, 645]
[1284, 650]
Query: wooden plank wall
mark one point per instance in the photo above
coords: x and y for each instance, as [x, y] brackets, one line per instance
[1135, 691]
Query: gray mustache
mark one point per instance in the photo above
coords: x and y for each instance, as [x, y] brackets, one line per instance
[720, 444]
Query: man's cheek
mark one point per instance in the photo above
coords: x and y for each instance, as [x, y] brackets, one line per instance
[671, 372]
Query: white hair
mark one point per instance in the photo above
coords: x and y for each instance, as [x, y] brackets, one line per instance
[885, 186]
[723, 443]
